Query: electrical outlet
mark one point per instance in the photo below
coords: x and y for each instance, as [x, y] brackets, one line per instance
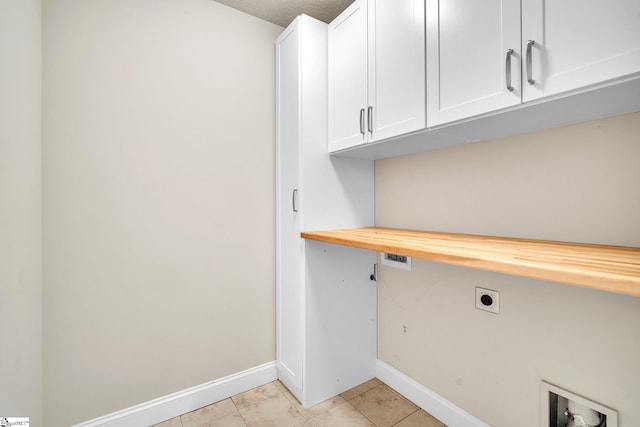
[488, 300]
[398, 261]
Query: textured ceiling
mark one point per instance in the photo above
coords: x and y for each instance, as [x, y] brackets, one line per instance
[282, 12]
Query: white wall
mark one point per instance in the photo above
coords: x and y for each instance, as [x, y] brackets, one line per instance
[20, 190]
[158, 200]
[578, 183]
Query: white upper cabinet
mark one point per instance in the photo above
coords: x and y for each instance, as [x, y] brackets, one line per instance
[376, 72]
[578, 43]
[396, 67]
[348, 77]
[473, 50]
[480, 58]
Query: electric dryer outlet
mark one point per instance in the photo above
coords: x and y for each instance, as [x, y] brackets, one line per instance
[488, 300]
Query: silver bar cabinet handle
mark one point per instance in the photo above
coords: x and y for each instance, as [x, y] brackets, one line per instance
[293, 199]
[370, 119]
[507, 69]
[530, 44]
[362, 121]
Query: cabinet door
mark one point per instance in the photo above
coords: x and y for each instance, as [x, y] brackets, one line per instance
[348, 77]
[467, 44]
[290, 257]
[396, 67]
[578, 43]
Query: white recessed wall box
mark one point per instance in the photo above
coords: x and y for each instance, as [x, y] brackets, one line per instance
[394, 260]
[562, 408]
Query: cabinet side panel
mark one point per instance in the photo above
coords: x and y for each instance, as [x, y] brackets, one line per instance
[341, 318]
[336, 192]
[339, 300]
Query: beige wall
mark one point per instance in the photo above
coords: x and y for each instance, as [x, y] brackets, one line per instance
[158, 200]
[20, 190]
[578, 183]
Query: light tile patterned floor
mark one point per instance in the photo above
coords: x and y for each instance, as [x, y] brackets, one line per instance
[372, 404]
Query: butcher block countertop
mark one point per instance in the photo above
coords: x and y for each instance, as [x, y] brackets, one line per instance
[607, 268]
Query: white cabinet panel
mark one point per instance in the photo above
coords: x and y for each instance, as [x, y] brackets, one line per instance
[578, 43]
[555, 47]
[290, 255]
[467, 44]
[342, 318]
[376, 72]
[348, 77]
[396, 67]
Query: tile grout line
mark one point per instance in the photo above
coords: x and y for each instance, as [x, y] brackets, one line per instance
[399, 421]
[237, 410]
[385, 386]
[364, 415]
[357, 409]
[402, 397]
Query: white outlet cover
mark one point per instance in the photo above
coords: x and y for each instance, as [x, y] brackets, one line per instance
[387, 259]
[494, 307]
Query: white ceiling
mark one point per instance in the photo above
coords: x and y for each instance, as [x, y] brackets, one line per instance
[282, 12]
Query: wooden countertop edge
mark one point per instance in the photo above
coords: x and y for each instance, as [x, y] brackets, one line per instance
[607, 268]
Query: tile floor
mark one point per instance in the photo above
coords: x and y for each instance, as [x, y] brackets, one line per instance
[372, 404]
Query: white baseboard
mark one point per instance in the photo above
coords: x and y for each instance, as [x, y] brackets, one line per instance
[167, 407]
[436, 405]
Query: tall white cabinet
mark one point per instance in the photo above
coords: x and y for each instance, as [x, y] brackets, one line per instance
[326, 301]
[376, 72]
